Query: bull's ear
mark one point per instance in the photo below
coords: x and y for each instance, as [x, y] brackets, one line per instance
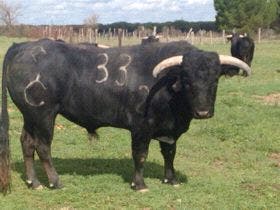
[167, 82]
[229, 37]
[177, 86]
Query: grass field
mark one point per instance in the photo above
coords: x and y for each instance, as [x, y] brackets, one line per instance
[231, 161]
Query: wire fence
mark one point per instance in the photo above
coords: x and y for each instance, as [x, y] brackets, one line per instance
[118, 36]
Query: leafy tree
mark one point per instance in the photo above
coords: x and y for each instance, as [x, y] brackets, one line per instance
[276, 24]
[245, 15]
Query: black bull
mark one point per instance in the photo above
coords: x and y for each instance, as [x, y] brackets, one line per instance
[120, 87]
[242, 47]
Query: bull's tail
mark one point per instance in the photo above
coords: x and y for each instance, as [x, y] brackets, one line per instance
[4, 136]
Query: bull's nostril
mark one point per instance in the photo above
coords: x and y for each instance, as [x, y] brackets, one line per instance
[202, 113]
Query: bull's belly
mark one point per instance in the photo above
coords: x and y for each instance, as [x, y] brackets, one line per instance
[92, 120]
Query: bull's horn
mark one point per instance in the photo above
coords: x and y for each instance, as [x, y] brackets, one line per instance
[229, 60]
[172, 61]
[156, 37]
[102, 46]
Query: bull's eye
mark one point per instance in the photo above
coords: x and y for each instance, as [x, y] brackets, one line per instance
[187, 86]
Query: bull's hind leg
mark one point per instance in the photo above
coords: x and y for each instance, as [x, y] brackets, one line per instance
[40, 131]
[28, 148]
[168, 152]
[44, 135]
[44, 152]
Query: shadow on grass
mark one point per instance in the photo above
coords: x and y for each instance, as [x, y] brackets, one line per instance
[96, 166]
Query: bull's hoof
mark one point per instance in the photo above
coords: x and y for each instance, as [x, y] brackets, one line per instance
[139, 188]
[176, 185]
[172, 182]
[56, 185]
[40, 187]
[36, 185]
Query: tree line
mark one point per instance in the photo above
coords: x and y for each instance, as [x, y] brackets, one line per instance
[181, 25]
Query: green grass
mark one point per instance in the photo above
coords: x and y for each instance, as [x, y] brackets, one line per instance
[225, 162]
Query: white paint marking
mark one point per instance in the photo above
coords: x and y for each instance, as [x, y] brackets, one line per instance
[145, 89]
[37, 80]
[35, 52]
[103, 68]
[166, 139]
[103, 46]
[124, 70]
[29, 182]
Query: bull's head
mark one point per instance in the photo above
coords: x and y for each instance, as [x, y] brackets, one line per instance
[198, 73]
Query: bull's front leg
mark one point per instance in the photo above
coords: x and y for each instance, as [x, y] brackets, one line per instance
[140, 147]
[168, 151]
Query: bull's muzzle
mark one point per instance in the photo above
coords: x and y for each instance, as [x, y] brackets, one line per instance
[202, 114]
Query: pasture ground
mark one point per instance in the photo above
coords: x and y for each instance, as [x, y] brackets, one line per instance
[230, 161]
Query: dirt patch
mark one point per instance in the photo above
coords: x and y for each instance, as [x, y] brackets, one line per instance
[252, 187]
[275, 157]
[66, 208]
[218, 163]
[10, 110]
[59, 127]
[271, 99]
[259, 187]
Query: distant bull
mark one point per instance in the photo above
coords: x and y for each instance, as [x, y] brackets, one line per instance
[153, 90]
[150, 39]
[242, 47]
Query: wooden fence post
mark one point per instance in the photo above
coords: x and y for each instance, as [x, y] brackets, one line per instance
[82, 35]
[123, 34]
[200, 36]
[120, 36]
[50, 32]
[114, 33]
[259, 35]
[46, 32]
[71, 35]
[155, 31]
[59, 33]
[192, 37]
[211, 37]
[224, 36]
[95, 35]
[109, 34]
[90, 35]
